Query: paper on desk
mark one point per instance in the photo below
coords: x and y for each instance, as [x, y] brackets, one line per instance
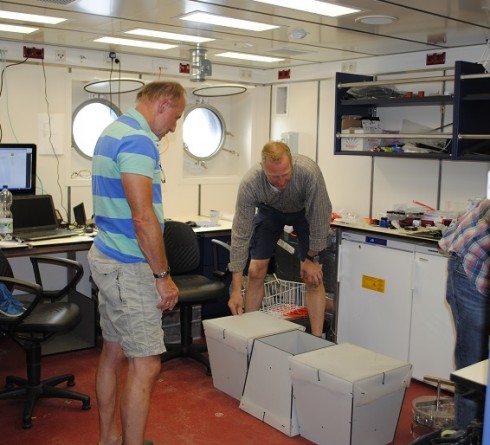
[11, 244]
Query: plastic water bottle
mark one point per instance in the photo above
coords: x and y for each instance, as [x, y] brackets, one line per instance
[6, 218]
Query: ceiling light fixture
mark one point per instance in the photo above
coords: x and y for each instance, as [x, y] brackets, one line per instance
[137, 43]
[298, 33]
[115, 85]
[219, 90]
[15, 28]
[31, 17]
[314, 6]
[168, 35]
[218, 20]
[376, 19]
[253, 57]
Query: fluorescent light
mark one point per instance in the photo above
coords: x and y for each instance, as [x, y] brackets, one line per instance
[168, 35]
[15, 28]
[314, 6]
[212, 19]
[137, 43]
[253, 57]
[30, 17]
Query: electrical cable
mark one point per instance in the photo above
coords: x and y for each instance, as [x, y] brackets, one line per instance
[2, 80]
[50, 140]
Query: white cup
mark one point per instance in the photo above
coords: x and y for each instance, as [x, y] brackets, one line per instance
[214, 217]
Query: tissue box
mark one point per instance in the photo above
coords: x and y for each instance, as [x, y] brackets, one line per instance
[230, 340]
[348, 395]
[353, 143]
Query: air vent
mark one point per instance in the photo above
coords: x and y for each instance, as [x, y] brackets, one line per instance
[287, 52]
[58, 2]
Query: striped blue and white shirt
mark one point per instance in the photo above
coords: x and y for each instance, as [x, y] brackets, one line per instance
[126, 146]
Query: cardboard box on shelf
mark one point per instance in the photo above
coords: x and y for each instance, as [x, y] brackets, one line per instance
[351, 122]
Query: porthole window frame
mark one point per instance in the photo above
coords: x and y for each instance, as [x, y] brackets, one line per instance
[78, 109]
[219, 147]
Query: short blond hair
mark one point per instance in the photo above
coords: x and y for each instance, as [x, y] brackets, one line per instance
[274, 151]
[155, 90]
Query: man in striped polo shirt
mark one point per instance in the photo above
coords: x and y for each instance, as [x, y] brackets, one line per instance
[128, 261]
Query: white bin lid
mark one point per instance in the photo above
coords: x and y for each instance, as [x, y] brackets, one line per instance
[349, 362]
[238, 329]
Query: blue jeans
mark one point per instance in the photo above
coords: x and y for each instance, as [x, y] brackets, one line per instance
[471, 314]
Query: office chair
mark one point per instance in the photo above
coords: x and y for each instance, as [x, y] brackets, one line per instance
[183, 256]
[43, 318]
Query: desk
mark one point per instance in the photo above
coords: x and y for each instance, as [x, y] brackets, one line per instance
[474, 376]
[76, 248]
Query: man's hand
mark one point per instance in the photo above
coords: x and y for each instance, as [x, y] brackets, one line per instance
[169, 293]
[235, 303]
[311, 273]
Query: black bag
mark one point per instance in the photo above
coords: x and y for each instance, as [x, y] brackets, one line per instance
[472, 435]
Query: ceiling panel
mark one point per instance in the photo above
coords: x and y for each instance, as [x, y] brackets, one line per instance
[420, 25]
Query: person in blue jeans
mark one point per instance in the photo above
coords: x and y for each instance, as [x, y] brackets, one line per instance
[468, 293]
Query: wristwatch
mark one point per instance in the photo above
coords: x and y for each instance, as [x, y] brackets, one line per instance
[162, 274]
[313, 259]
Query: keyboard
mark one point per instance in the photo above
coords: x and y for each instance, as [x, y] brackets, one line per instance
[44, 234]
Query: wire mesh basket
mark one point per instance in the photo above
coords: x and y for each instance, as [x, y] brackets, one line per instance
[285, 299]
[432, 413]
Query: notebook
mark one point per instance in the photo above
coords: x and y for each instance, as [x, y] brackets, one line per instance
[35, 218]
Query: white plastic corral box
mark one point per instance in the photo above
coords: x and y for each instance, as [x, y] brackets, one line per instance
[229, 341]
[346, 394]
[267, 393]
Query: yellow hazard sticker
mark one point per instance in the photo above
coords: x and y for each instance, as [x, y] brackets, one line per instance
[373, 283]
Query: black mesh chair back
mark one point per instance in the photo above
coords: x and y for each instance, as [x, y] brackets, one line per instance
[182, 248]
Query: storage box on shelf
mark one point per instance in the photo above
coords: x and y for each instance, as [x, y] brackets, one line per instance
[469, 138]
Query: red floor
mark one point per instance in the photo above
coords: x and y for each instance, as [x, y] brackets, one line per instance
[186, 408]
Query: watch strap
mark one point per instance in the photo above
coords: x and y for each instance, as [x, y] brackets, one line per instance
[162, 274]
[314, 259]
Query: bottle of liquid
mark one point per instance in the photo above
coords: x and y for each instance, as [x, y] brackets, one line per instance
[6, 218]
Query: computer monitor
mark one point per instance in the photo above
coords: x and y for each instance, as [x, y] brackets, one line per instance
[18, 168]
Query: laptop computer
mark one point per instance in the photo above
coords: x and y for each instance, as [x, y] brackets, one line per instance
[35, 218]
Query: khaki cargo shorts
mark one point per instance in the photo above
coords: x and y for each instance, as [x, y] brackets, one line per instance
[128, 305]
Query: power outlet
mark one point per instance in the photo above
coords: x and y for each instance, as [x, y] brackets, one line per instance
[349, 67]
[33, 53]
[60, 55]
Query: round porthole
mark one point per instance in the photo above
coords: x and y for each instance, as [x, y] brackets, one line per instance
[89, 120]
[203, 132]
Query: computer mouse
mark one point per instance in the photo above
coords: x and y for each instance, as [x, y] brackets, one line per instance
[191, 223]
[88, 229]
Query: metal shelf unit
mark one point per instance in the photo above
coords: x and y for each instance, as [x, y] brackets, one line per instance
[469, 139]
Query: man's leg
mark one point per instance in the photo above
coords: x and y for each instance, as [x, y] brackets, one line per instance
[135, 404]
[107, 382]
[254, 294]
[316, 302]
